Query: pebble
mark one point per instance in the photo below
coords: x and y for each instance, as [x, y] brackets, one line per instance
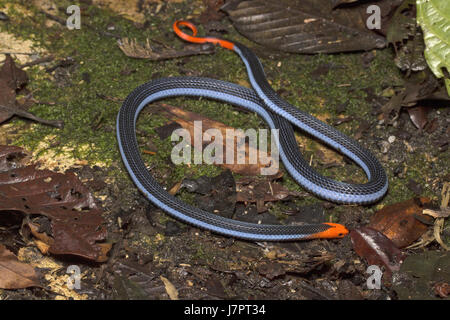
[391, 139]
[384, 146]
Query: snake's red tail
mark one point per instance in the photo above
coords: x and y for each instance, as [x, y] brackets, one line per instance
[193, 38]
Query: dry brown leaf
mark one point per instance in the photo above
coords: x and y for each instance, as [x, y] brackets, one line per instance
[186, 120]
[259, 191]
[15, 274]
[307, 26]
[170, 288]
[400, 221]
[60, 204]
[377, 249]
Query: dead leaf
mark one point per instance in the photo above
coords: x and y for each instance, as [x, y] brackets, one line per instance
[170, 288]
[377, 249]
[260, 191]
[271, 270]
[442, 289]
[212, 11]
[423, 85]
[403, 23]
[400, 221]
[418, 116]
[186, 119]
[308, 26]
[13, 79]
[156, 53]
[410, 56]
[11, 157]
[15, 274]
[60, 205]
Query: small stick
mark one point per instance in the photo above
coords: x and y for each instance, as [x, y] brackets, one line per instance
[21, 113]
[38, 61]
[20, 53]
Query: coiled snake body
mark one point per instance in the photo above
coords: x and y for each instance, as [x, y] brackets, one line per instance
[279, 115]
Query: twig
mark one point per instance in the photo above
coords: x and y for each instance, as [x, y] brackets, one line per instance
[38, 61]
[54, 18]
[20, 53]
[21, 113]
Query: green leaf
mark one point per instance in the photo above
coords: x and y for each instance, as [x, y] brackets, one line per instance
[433, 16]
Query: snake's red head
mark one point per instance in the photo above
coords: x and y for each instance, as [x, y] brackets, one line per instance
[194, 39]
[336, 230]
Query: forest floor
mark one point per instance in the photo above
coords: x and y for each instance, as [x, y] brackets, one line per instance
[156, 257]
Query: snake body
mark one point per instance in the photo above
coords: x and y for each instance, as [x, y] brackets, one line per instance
[278, 114]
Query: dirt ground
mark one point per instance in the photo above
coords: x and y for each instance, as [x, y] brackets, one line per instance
[156, 257]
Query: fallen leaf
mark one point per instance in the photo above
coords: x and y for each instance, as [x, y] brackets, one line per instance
[418, 116]
[308, 26]
[259, 191]
[170, 288]
[400, 221]
[403, 22]
[11, 157]
[364, 125]
[15, 274]
[76, 223]
[377, 249]
[442, 289]
[212, 11]
[147, 51]
[187, 119]
[271, 270]
[410, 55]
[13, 79]
[423, 85]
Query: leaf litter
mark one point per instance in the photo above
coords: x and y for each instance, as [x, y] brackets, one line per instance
[244, 166]
[12, 81]
[59, 210]
[15, 274]
[306, 26]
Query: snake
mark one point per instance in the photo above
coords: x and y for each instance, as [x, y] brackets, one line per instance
[279, 115]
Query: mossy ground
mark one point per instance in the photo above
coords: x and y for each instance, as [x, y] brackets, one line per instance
[99, 64]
